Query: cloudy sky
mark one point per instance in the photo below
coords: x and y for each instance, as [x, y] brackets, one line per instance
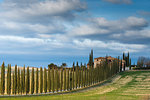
[38, 32]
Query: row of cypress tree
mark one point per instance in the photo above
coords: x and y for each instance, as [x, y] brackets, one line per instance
[36, 80]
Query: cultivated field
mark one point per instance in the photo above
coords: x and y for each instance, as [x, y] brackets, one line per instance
[132, 85]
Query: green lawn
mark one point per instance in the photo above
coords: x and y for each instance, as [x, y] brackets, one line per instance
[132, 85]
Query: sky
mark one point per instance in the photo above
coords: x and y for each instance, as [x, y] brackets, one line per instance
[39, 32]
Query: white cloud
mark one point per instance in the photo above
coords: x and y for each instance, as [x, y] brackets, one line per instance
[40, 9]
[88, 30]
[117, 46]
[133, 33]
[103, 26]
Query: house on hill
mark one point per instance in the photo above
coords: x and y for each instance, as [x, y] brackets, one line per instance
[100, 60]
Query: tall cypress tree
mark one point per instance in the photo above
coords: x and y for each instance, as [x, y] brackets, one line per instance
[49, 80]
[73, 78]
[45, 80]
[27, 81]
[41, 80]
[32, 81]
[56, 80]
[21, 82]
[3, 79]
[15, 80]
[8, 79]
[13, 85]
[123, 56]
[130, 64]
[128, 60]
[23, 79]
[64, 81]
[121, 66]
[91, 59]
[61, 79]
[52, 81]
[76, 77]
[18, 81]
[37, 80]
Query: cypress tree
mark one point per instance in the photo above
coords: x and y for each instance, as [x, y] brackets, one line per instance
[18, 81]
[27, 81]
[123, 56]
[64, 79]
[56, 80]
[9, 86]
[15, 80]
[45, 80]
[13, 85]
[61, 79]
[128, 60]
[32, 81]
[73, 79]
[67, 79]
[76, 78]
[70, 79]
[130, 64]
[37, 80]
[23, 80]
[49, 80]
[3, 79]
[121, 66]
[8, 79]
[41, 80]
[52, 81]
[73, 66]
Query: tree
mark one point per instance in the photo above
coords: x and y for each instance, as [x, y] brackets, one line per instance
[123, 56]
[121, 66]
[13, 85]
[91, 59]
[49, 80]
[27, 81]
[143, 62]
[64, 79]
[61, 79]
[56, 80]
[63, 65]
[52, 81]
[140, 62]
[45, 80]
[9, 79]
[128, 60]
[52, 65]
[23, 84]
[41, 80]
[73, 66]
[32, 81]
[15, 80]
[18, 81]
[37, 80]
[3, 79]
[130, 64]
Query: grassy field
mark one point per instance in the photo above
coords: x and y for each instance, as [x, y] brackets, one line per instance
[132, 85]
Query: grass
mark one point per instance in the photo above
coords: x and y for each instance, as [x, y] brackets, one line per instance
[131, 85]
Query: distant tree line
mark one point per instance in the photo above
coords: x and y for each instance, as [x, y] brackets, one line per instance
[143, 62]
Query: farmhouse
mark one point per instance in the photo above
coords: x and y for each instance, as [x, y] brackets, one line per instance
[100, 60]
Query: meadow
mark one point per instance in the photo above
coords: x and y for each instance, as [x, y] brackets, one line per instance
[129, 85]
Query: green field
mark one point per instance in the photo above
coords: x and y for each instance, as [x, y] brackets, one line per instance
[132, 85]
